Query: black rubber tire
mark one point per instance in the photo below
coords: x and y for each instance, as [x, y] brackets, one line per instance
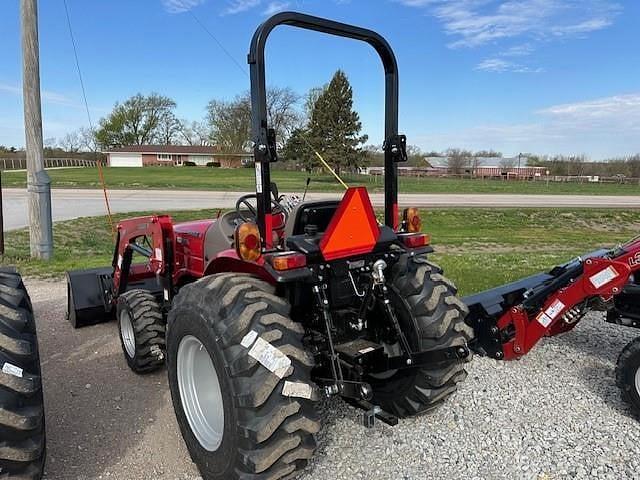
[432, 317]
[626, 368]
[266, 435]
[22, 426]
[149, 327]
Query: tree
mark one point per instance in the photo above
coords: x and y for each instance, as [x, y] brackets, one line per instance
[71, 142]
[230, 121]
[334, 129]
[194, 133]
[297, 150]
[168, 129]
[458, 160]
[282, 113]
[415, 156]
[488, 154]
[88, 141]
[136, 121]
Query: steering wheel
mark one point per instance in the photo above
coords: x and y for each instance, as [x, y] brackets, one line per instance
[243, 201]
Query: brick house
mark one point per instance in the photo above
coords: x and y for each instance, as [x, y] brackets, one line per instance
[175, 155]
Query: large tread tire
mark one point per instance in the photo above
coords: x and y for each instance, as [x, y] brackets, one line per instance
[437, 318]
[627, 368]
[22, 426]
[139, 309]
[266, 435]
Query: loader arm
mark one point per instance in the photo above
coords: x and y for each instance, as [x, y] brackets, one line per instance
[549, 304]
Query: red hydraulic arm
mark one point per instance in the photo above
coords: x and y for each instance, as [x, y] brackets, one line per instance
[600, 277]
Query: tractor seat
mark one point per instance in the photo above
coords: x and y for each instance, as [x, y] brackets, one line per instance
[219, 236]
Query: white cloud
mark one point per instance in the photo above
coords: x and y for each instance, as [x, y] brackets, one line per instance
[275, 7]
[180, 6]
[499, 65]
[475, 23]
[47, 96]
[619, 108]
[239, 6]
[601, 128]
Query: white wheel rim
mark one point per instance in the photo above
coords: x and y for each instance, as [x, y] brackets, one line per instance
[637, 381]
[127, 333]
[200, 393]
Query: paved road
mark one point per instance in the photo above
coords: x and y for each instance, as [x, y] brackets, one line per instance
[73, 203]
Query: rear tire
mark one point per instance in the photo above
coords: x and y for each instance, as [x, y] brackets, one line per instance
[263, 432]
[142, 330]
[22, 430]
[432, 317]
[628, 374]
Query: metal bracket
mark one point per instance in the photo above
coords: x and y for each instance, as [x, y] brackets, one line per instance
[397, 145]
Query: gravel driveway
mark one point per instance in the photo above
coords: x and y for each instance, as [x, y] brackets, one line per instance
[555, 414]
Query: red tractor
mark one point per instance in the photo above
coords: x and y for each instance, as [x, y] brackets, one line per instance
[266, 309]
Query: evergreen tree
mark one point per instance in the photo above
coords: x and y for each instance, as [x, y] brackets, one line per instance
[334, 127]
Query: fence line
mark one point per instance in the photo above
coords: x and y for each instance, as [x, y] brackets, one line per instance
[21, 163]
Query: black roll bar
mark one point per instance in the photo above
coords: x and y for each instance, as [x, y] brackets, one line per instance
[264, 137]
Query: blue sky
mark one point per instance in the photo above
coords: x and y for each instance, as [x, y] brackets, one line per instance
[545, 76]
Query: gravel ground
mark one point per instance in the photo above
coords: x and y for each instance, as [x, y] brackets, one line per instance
[554, 414]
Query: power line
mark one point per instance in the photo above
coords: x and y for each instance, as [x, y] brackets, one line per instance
[222, 47]
[75, 53]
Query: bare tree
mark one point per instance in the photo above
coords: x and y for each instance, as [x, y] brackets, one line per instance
[71, 142]
[194, 133]
[230, 121]
[576, 165]
[458, 160]
[168, 129]
[88, 141]
[282, 112]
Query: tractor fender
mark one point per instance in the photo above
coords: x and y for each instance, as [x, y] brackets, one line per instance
[229, 261]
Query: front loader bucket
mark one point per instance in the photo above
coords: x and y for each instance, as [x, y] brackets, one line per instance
[88, 293]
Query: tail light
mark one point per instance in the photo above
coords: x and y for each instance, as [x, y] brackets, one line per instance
[287, 261]
[415, 240]
[412, 220]
[248, 245]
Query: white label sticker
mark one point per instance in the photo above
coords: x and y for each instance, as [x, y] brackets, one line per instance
[269, 356]
[258, 177]
[544, 320]
[554, 309]
[11, 369]
[603, 277]
[159, 254]
[166, 295]
[119, 261]
[297, 389]
[366, 350]
[249, 338]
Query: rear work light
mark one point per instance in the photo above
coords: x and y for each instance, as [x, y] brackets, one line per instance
[287, 261]
[415, 240]
[248, 244]
[412, 220]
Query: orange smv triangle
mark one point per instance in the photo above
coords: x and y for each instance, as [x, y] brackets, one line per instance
[353, 230]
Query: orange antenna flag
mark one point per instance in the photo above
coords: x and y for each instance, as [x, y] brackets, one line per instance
[353, 230]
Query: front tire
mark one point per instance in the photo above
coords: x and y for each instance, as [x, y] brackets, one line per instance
[248, 422]
[142, 330]
[432, 317]
[628, 374]
[22, 431]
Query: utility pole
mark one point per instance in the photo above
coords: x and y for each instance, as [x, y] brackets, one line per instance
[38, 182]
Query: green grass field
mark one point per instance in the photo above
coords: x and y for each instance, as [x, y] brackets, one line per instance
[478, 248]
[288, 181]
